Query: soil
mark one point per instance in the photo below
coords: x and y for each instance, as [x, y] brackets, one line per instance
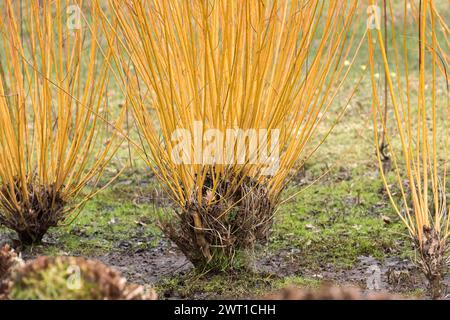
[148, 266]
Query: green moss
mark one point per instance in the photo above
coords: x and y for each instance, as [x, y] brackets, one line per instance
[337, 222]
[56, 282]
[232, 285]
[122, 213]
[298, 281]
[417, 293]
[224, 263]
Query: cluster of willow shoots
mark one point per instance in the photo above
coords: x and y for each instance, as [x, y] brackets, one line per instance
[238, 67]
[53, 142]
[241, 65]
[416, 129]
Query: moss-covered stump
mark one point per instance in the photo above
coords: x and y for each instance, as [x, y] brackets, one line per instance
[70, 278]
[9, 261]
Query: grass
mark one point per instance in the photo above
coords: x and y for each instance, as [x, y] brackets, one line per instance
[338, 222]
[244, 285]
[118, 214]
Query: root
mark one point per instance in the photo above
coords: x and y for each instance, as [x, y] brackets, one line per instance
[236, 220]
[432, 261]
[34, 215]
